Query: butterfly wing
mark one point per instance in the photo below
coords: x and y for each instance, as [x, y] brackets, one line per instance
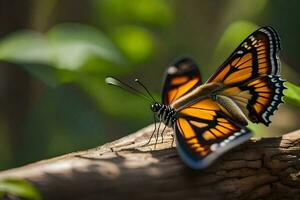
[256, 56]
[251, 75]
[180, 78]
[259, 98]
[204, 132]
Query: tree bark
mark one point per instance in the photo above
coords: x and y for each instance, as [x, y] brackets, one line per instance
[266, 168]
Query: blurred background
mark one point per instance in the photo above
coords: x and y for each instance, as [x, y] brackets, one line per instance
[54, 56]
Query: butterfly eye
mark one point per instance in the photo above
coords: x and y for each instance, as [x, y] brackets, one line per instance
[155, 107]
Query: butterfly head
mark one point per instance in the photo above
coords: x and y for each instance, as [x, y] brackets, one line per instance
[155, 107]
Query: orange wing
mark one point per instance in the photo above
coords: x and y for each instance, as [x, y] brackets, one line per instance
[251, 75]
[256, 56]
[204, 132]
[259, 98]
[180, 78]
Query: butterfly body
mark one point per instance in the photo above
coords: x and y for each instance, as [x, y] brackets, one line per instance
[201, 92]
[168, 113]
[165, 114]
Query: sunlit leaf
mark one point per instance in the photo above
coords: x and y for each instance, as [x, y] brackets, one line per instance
[259, 130]
[25, 47]
[136, 43]
[63, 53]
[292, 94]
[154, 12]
[73, 45]
[20, 188]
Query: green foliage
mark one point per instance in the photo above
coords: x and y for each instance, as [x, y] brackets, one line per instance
[74, 45]
[20, 188]
[84, 55]
[73, 53]
[65, 46]
[292, 94]
[25, 47]
[59, 55]
[135, 42]
[154, 12]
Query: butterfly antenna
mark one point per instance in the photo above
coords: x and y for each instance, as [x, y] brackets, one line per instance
[148, 92]
[116, 82]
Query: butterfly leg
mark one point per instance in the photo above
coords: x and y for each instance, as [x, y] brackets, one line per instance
[152, 132]
[173, 139]
[162, 134]
[157, 134]
[166, 123]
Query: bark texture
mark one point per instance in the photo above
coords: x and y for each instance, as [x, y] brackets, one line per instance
[267, 168]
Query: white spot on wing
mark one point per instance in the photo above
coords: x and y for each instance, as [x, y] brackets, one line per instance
[231, 137]
[214, 147]
[264, 116]
[237, 134]
[172, 70]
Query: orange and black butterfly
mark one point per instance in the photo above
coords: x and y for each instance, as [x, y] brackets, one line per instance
[210, 118]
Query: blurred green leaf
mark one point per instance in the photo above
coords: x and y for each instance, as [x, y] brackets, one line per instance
[136, 42]
[25, 47]
[63, 53]
[292, 94]
[257, 129]
[20, 188]
[154, 12]
[73, 45]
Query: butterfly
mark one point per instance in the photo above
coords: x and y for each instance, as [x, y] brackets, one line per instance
[210, 118]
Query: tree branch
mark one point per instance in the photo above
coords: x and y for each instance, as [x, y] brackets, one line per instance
[261, 168]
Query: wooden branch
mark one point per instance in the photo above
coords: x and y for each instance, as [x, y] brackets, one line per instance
[265, 168]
